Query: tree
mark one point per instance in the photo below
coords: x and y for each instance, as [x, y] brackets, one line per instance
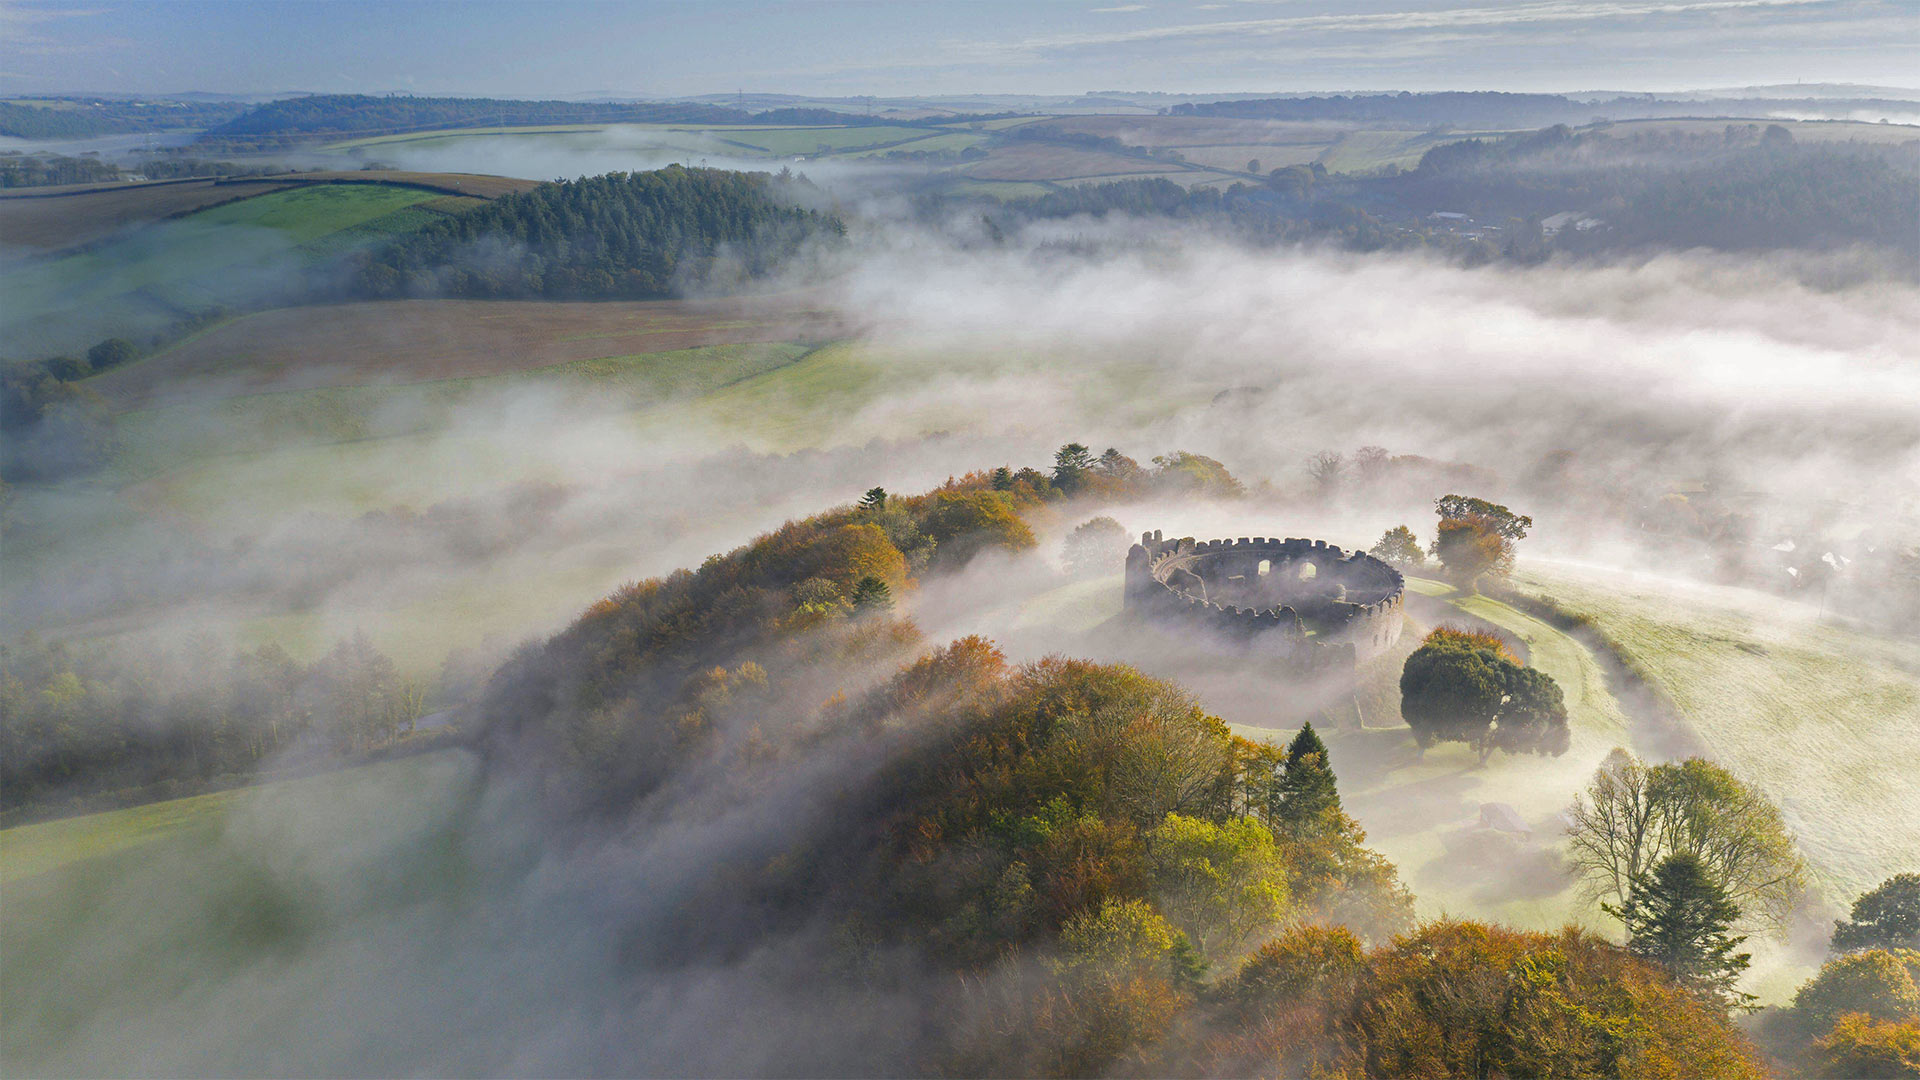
[1886, 918]
[1634, 815]
[1306, 794]
[1471, 548]
[1882, 983]
[1096, 547]
[1217, 882]
[1502, 520]
[1071, 464]
[1002, 479]
[1371, 462]
[872, 594]
[1117, 466]
[1399, 547]
[1458, 687]
[1679, 917]
[1859, 1047]
[1325, 468]
[111, 353]
[874, 499]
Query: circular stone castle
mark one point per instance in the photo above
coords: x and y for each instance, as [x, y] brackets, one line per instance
[1309, 603]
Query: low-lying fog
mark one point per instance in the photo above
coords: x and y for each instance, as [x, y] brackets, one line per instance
[1687, 372]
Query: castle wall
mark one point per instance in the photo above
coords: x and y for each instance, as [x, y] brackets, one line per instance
[1349, 609]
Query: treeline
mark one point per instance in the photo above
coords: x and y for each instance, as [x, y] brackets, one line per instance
[44, 170]
[77, 118]
[1744, 190]
[87, 725]
[277, 122]
[1497, 110]
[355, 114]
[619, 235]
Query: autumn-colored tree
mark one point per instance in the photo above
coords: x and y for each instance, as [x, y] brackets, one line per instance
[1399, 547]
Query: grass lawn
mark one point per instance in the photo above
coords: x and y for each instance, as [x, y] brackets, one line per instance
[1826, 719]
[229, 253]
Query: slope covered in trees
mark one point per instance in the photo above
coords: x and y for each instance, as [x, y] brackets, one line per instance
[1112, 880]
[630, 235]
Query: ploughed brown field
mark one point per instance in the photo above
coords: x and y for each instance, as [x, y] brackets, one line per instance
[56, 218]
[406, 341]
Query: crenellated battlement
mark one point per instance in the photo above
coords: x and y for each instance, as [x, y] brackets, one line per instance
[1308, 600]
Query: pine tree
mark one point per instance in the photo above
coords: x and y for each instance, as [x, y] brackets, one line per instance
[1678, 916]
[1071, 465]
[874, 499]
[872, 594]
[1305, 790]
[1003, 479]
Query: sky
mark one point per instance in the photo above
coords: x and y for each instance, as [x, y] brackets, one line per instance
[647, 48]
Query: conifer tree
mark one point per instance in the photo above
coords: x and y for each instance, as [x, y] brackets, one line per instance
[874, 499]
[1305, 791]
[1678, 916]
[872, 594]
[1071, 465]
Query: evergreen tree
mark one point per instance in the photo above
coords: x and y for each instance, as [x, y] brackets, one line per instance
[874, 499]
[1305, 792]
[1070, 466]
[1003, 479]
[1678, 916]
[872, 594]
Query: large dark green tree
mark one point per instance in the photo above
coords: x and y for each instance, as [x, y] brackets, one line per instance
[1886, 918]
[1679, 916]
[1305, 790]
[1459, 687]
[1071, 464]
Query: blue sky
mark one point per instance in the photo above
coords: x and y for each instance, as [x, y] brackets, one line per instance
[830, 47]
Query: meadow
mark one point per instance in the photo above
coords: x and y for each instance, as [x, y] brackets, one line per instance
[145, 279]
[1808, 708]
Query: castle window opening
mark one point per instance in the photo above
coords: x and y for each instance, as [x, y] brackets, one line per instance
[1265, 565]
[1308, 571]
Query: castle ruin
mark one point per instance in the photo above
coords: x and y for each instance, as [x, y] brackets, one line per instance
[1309, 604]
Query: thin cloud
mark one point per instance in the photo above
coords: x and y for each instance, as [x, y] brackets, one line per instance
[1547, 11]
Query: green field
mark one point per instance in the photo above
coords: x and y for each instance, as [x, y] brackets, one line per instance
[147, 280]
[1814, 712]
[115, 923]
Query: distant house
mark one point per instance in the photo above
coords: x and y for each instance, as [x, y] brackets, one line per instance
[1447, 215]
[1502, 817]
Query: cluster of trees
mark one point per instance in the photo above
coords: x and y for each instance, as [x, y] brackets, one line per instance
[86, 724]
[1474, 538]
[1487, 109]
[631, 688]
[279, 122]
[1729, 192]
[1467, 686]
[637, 234]
[365, 114]
[1860, 1015]
[19, 170]
[79, 118]
[54, 426]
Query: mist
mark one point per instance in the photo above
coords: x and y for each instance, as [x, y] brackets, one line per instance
[1581, 394]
